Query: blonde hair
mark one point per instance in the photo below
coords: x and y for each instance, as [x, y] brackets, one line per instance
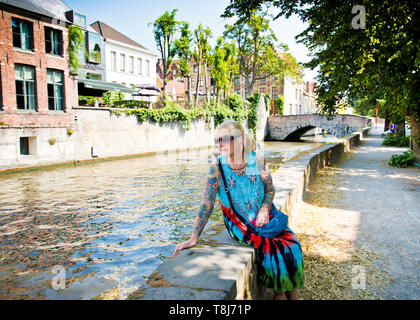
[231, 125]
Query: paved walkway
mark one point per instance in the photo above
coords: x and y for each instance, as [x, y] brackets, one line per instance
[388, 202]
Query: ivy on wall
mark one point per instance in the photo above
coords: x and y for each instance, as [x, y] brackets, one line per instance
[234, 109]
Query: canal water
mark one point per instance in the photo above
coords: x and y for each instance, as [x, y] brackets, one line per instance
[79, 232]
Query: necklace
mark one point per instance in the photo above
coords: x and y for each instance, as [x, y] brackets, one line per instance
[239, 171]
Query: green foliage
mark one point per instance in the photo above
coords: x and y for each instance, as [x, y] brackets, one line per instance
[76, 44]
[89, 100]
[365, 106]
[396, 140]
[402, 160]
[279, 103]
[110, 97]
[267, 99]
[220, 112]
[257, 55]
[171, 112]
[381, 60]
[224, 65]
[252, 112]
[164, 29]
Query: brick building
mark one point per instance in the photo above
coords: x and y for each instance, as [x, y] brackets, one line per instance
[37, 91]
[177, 86]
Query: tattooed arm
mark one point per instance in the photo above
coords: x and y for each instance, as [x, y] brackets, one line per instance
[269, 191]
[206, 207]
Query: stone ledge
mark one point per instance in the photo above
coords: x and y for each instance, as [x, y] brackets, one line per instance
[227, 271]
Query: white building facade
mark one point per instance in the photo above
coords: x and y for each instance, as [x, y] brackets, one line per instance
[127, 62]
[299, 98]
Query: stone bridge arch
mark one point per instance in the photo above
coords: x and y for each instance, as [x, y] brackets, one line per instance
[294, 126]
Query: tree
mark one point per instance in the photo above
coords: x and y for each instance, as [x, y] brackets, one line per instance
[184, 52]
[224, 66]
[258, 57]
[201, 36]
[164, 29]
[356, 47]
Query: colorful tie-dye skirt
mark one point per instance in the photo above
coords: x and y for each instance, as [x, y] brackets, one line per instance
[279, 260]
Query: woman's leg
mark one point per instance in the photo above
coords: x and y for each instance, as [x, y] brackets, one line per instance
[291, 295]
[279, 296]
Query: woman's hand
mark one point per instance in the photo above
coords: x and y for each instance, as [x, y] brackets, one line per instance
[186, 244]
[262, 218]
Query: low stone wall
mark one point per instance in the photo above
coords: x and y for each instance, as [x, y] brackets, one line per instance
[222, 268]
[96, 134]
[112, 136]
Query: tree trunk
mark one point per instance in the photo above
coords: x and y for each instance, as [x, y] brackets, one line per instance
[198, 81]
[206, 85]
[189, 91]
[400, 129]
[415, 137]
[386, 126]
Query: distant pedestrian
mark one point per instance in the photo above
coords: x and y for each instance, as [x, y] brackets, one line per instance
[391, 129]
[251, 193]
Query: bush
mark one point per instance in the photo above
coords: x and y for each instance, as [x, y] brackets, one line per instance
[396, 140]
[279, 103]
[402, 160]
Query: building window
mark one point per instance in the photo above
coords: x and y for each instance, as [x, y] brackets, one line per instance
[262, 89]
[53, 41]
[55, 85]
[147, 68]
[79, 19]
[22, 34]
[27, 145]
[25, 87]
[274, 91]
[195, 68]
[140, 66]
[113, 61]
[122, 62]
[94, 46]
[94, 76]
[200, 82]
[131, 64]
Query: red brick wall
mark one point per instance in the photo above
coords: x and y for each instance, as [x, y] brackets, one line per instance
[41, 61]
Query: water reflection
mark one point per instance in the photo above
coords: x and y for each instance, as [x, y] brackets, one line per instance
[108, 224]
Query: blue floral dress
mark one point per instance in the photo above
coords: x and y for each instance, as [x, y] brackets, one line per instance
[279, 260]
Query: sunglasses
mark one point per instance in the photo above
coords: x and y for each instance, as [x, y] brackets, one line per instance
[225, 139]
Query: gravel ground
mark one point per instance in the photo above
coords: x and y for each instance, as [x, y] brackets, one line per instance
[360, 226]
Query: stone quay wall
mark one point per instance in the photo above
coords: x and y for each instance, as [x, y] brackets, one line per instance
[95, 134]
[224, 269]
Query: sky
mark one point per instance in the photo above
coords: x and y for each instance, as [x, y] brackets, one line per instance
[132, 18]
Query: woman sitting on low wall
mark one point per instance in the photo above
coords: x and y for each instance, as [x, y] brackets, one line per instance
[246, 192]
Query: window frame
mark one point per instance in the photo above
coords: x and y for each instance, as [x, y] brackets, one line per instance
[140, 66]
[25, 95]
[30, 32]
[88, 45]
[122, 62]
[49, 30]
[113, 61]
[131, 64]
[147, 68]
[55, 91]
